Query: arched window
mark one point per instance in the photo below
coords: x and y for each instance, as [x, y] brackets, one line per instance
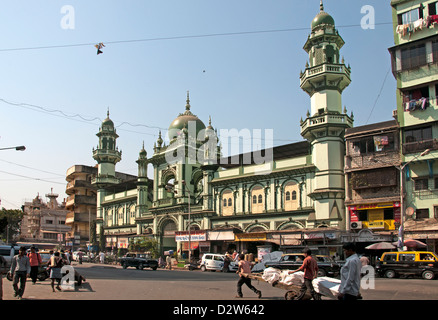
[258, 201]
[227, 208]
[294, 195]
[290, 196]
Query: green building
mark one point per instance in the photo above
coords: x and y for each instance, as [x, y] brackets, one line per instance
[288, 196]
[415, 66]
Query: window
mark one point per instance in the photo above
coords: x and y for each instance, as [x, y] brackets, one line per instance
[435, 51]
[49, 221]
[413, 57]
[258, 201]
[407, 257]
[433, 8]
[227, 200]
[422, 214]
[388, 214]
[436, 183]
[390, 257]
[287, 196]
[410, 16]
[363, 215]
[294, 195]
[418, 135]
[421, 184]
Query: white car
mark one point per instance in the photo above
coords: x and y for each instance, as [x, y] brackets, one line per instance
[215, 261]
[85, 257]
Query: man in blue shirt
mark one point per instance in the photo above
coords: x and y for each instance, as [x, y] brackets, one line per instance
[350, 274]
[20, 269]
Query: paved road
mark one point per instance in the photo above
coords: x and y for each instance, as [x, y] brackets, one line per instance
[106, 282]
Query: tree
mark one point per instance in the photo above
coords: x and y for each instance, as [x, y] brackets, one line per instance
[144, 245]
[10, 223]
[93, 240]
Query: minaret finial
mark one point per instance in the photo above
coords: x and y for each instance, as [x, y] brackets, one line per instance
[188, 102]
[107, 113]
[321, 6]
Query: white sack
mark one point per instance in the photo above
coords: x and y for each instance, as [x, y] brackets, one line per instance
[327, 286]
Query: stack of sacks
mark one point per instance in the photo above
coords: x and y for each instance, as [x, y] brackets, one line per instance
[294, 279]
[327, 286]
[271, 275]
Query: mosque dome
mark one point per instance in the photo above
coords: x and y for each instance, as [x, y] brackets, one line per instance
[185, 121]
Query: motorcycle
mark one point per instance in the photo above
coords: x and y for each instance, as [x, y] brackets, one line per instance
[42, 275]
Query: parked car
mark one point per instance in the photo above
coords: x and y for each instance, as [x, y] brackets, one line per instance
[415, 263]
[85, 257]
[215, 261]
[292, 261]
[139, 260]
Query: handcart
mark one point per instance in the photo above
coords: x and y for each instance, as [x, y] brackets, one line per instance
[292, 290]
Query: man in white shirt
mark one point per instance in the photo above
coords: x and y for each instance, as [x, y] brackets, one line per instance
[350, 274]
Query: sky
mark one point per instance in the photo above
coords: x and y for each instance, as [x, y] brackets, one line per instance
[240, 61]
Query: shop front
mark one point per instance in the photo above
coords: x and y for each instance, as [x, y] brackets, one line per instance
[375, 216]
[198, 243]
[222, 240]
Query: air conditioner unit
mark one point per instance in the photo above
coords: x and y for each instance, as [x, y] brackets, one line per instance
[356, 225]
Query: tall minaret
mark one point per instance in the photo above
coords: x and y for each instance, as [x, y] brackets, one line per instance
[106, 155]
[324, 79]
[142, 185]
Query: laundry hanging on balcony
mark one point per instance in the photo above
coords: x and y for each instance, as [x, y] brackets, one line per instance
[417, 104]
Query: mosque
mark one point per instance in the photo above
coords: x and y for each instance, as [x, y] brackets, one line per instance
[293, 198]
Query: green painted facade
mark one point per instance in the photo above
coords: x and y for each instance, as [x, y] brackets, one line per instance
[415, 67]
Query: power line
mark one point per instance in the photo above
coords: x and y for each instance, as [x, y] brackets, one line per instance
[20, 165]
[175, 38]
[31, 178]
[378, 95]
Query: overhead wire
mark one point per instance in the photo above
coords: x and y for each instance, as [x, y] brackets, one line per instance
[174, 38]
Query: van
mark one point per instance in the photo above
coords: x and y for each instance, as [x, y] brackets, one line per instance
[215, 261]
[8, 252]
[416, 263]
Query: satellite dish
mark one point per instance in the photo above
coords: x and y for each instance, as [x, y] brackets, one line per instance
[410, 211]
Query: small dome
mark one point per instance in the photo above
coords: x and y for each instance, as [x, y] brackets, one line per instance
[108, 122]
[322, 18]
[185, 120]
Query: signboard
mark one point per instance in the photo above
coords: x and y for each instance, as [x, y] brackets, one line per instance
[194, 236]
[250, 236]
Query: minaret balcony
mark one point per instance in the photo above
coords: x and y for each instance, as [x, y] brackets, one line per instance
[325, 76]
[325, 68]
[103, 180]
[104, 155]
[325, 120]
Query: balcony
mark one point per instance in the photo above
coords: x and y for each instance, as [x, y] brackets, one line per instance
[81, 199]
[324, 120]
[419, 146]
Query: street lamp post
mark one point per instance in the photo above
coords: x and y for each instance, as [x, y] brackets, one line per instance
[190, 227]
